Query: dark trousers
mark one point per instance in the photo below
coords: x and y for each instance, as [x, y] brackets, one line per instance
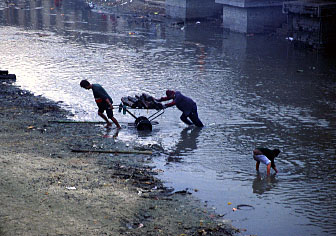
[103, 106]
[193, 116]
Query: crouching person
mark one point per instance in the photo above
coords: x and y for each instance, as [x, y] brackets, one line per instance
[266, 156]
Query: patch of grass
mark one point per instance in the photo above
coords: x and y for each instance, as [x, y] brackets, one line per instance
[1, 231]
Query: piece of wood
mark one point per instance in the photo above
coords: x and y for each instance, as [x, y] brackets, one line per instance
[113, 151]
[79, 122]
[9, 76]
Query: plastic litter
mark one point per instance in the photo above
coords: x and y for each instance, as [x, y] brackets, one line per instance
[71, 188]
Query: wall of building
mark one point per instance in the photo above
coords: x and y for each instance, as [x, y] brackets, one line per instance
[252, 19]
[251, 3]
[192, 9]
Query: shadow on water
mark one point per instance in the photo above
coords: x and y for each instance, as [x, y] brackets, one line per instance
[186, 144]
[261, 185]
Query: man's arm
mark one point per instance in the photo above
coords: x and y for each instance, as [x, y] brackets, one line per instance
[170, 104]
[275, 169]
[163, 99]
[273, 165]
[109, 103]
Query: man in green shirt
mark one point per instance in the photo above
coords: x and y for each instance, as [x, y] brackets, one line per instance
[103, 100]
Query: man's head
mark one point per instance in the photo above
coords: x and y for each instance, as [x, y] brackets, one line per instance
[276, 152]
[85, 84]
[170, 93]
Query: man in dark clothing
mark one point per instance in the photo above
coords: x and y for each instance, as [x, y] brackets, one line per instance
[184, 104]
[265, 156]
[103, 100]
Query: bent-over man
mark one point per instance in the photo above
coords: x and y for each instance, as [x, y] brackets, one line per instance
[184, 104]
[103, 101]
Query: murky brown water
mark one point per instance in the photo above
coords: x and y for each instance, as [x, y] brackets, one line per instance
[251, 91]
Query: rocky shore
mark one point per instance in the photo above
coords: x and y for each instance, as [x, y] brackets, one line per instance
[46, 189]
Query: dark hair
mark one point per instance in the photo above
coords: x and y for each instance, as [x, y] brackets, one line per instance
[84, 83]
[170, 93]
[276, 152]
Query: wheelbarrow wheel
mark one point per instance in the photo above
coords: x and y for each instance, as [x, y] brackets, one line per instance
[142, 123]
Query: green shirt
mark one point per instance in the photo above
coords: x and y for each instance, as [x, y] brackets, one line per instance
[100, 93]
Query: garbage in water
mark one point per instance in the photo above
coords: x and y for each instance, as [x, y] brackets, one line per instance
[245, 207]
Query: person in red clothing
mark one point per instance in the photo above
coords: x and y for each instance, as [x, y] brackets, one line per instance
[184, 104]
[266, 156]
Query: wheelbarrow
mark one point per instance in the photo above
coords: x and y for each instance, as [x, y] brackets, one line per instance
[142, 123]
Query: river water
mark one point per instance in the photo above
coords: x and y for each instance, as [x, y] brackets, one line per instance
[250, 90]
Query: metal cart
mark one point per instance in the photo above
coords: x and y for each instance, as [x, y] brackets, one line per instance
[142, 123]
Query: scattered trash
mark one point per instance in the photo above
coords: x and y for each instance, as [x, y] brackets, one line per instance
[31, 127]
[183, 192]
[140, 226]
[134, 225]
[290, 38]
[198, 22]
[90, 5]
[229, 203]
[71, 188]
[299, 71]
[245, 206]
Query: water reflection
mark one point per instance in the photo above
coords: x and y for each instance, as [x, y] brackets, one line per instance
[186, 144]
[109, 134]
[261, 185]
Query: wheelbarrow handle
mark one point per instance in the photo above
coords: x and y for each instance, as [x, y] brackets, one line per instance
[162, 111]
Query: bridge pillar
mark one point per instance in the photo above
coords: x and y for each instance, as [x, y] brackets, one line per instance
[252, 16]
[192, 9]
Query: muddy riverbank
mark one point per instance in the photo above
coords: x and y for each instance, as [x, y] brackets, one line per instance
[48, 190]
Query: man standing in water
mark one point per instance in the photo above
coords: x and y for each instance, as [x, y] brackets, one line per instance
[266, 156]
[103, 100]
[184, 104]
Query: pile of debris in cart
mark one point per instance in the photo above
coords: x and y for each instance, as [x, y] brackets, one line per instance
[144, 101]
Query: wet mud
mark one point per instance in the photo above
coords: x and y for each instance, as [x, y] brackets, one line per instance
[46, 189]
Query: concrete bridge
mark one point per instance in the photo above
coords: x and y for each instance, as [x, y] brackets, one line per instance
[309, 21]
[245, 16]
